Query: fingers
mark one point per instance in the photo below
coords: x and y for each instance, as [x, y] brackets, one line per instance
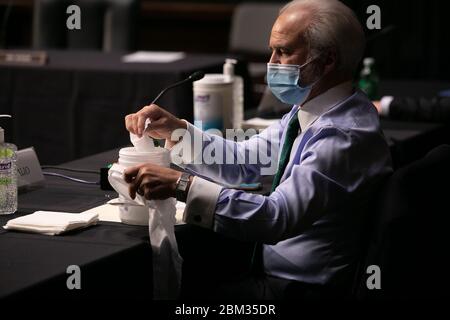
[143, 185]
[136, 183]
[156, 125]
[129, 123]
[148, 112]
[130, 173]
[132, 121]
[138, 177]
[130, 176]
[147, 192]
[140, 124]
[135, 122]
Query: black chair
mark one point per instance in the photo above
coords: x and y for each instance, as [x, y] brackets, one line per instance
[251, 25]
[250, 28]
[108, 25]
[209, 259]
[408, 239]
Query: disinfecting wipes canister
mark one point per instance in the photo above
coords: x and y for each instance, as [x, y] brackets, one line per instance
[213, 102]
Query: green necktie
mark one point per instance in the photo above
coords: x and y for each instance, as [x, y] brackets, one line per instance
[291, 134]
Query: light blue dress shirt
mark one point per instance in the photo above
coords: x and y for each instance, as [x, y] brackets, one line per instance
[311, 225]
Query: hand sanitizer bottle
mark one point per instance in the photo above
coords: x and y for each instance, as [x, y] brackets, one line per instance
[369, 80]
[238, 93]
[8, 175]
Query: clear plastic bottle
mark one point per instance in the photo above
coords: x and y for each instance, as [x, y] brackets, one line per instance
[238, 93]
[8, 175]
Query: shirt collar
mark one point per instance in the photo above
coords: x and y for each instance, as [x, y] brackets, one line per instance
[314, 108]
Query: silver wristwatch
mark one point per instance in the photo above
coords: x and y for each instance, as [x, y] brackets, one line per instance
[181, 187]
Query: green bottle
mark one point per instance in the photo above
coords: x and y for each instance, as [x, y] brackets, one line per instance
[369, 80]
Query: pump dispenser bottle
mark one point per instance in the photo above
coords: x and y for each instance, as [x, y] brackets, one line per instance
[238, 93]
[8, 175]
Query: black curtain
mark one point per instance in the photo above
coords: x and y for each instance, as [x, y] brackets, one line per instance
[418, 43]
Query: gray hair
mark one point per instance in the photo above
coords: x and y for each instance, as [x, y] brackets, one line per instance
[333, 26]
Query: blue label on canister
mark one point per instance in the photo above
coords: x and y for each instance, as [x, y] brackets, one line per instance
[208, 111]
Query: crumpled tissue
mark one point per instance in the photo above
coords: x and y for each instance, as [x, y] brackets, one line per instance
[167, 262]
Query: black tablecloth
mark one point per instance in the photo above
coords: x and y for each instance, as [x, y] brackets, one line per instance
[115, 259]
[75, 105]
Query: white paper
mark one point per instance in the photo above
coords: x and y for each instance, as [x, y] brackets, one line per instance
[116, 180]
[153, 57]
[106, 212]
[51, 223]
[111, 213]
[167, 262]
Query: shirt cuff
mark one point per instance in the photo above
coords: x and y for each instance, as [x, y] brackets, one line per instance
[190, 146]
[201, 203]
[385, 104]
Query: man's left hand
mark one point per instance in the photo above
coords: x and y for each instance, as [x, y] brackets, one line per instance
[152, 181]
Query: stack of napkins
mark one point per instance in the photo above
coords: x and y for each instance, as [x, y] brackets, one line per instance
[52, 223]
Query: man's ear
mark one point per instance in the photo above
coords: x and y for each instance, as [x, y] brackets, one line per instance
[330, 60]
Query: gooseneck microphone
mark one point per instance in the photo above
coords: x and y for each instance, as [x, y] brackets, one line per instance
[193, 77]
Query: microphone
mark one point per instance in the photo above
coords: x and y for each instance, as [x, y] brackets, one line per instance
[193, 77]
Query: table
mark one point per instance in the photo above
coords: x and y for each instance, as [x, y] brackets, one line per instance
[75, 105]
[115, 259]
[34, 265]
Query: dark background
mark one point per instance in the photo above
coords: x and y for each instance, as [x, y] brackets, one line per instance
[411, 53]
[417, 47]
[411, 236]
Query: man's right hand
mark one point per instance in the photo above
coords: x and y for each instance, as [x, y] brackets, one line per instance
[161, 126]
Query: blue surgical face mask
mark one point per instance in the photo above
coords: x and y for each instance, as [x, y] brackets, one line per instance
[283, 81]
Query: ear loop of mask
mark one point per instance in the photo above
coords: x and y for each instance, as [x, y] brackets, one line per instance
[306, 63]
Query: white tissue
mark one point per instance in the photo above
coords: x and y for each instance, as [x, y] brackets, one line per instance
[142, 144]
[167, 262]
[52, 223]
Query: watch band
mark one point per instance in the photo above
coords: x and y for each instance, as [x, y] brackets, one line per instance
[181, 187]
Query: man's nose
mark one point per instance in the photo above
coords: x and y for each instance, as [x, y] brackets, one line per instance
[274, 58]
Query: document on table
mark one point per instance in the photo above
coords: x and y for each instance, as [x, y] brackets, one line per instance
[107, 212]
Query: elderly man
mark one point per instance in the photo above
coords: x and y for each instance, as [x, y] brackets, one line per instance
[332, 156]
